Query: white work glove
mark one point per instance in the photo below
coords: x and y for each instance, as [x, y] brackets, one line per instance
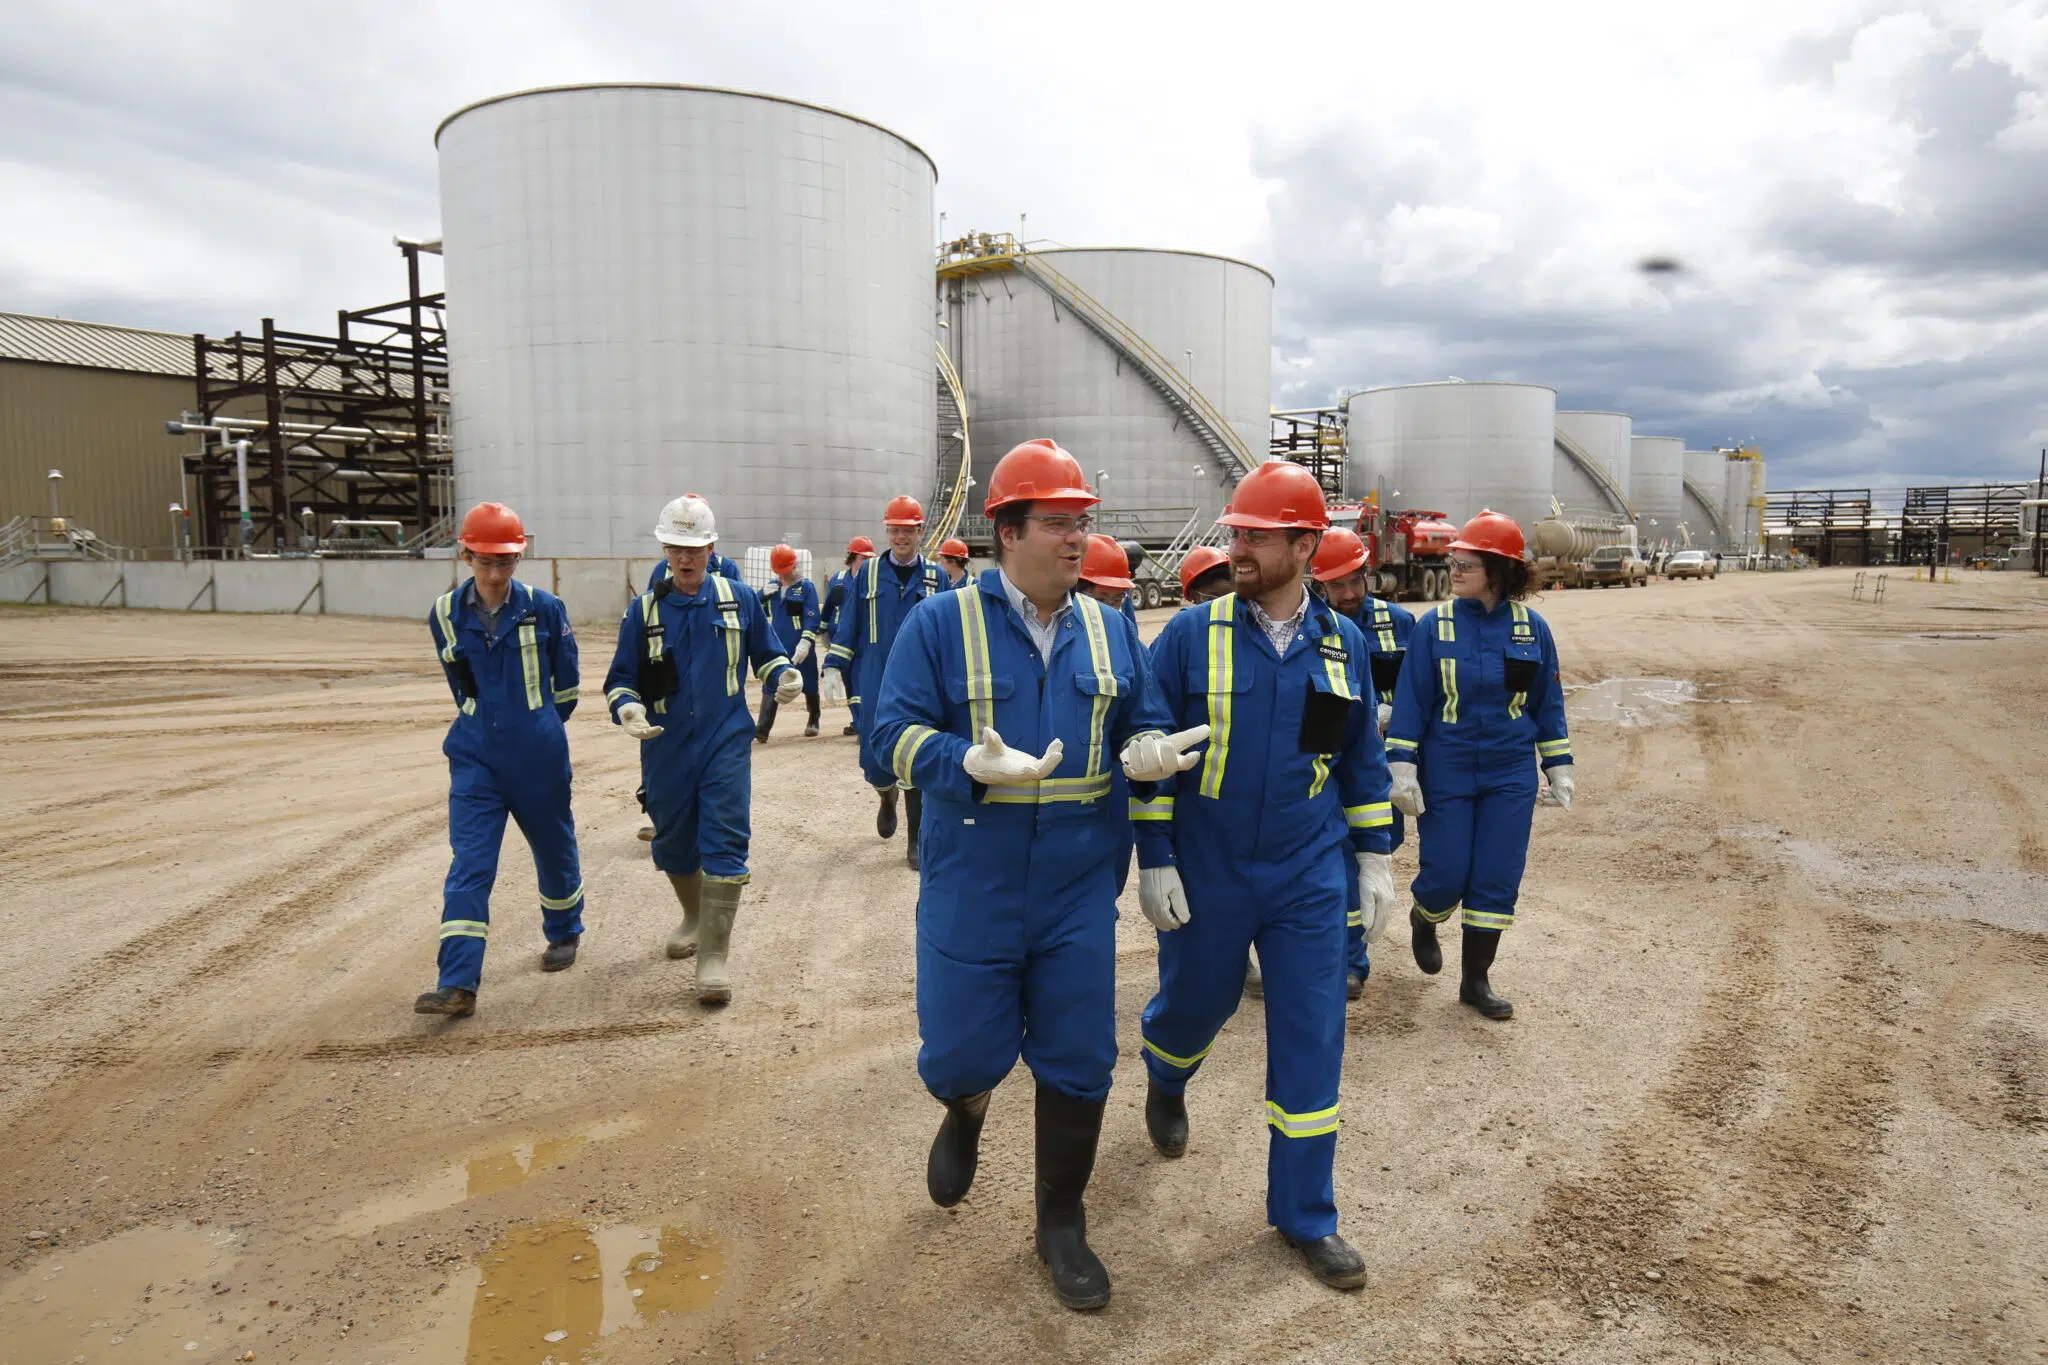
[1154, 758]
[993, 764]
[1386, 716]
[1162, 898]
[633, 720]
[832, 687]
[788, 687]
[803, 651]
[1407, 793]
[1562, 785]
[1376, 893]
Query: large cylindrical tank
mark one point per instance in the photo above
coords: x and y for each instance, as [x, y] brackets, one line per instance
[1455, 448]
[1032, 368]
[656, 290]
[1656, 487]
[1739, 478]
[1604, 436]
[1702, 509]
[1554, 539]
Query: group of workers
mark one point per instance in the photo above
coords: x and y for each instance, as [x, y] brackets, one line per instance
[1257, 761]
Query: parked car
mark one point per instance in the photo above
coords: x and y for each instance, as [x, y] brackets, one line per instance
[1613, 565]
[1690, 564]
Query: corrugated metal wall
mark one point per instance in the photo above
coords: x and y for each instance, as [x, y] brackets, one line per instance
[105, 430]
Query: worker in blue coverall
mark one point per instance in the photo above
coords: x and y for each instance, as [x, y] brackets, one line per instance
[953, 557]
[792, 606]
[1339, 570]
[1105, 576]
[1480, 708]
[510, 659]
[1250, 848]
[724, 567]
[877, 601]
[837, 589]
[1011, 703]
[678, 684]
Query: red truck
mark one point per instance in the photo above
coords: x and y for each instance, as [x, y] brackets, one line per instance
[1409, 550]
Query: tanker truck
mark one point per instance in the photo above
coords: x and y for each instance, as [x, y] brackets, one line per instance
[1563, 548]
[1408, 551]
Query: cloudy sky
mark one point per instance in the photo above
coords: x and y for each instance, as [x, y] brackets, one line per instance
[1858, 192]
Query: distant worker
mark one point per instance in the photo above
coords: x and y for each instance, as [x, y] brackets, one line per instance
[510, 659]
[1479, 694]
[837, 590]
[1339, 569]
[1250, 848]
[1204, 575]
[876, 603]
[791, 602]
[678, 685]
[953, 557]
[1010, 703]
[1104, 573]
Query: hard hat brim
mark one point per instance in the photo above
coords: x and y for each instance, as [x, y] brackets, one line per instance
[1124, 583]
[685, 542]
[1252, 522]
[495, 547]
[1463, 544]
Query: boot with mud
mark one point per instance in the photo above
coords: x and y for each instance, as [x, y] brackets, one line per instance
[452, 1001]
[1067, 1133]
[885, 817]
[1474, 990]
[559, 957]
[956, 1151]
[851, 729]
[913, 818]
[689, 892]
[767, 720]
[1429, 954]
[1166, 1120]
[1333, 1261]
[811, 713]
[721, 901]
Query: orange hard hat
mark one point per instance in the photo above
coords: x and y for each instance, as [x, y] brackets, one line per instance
[492, 528]
[903, 510]
[860, 545]
[1492, 533]
[1340, 555]
[1277, 496]
[956, 548]
[1197, 562]
[782, 559]
[1104, 564]
[1037, 471]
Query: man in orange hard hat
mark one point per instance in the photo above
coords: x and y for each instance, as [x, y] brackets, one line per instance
[837, 589]
[791, 602]
[1204, 575]
[510, 659]
[953, 556]
[877, 601]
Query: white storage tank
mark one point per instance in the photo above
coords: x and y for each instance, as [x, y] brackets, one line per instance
[1031, 367]
[1744, 481]
[1455, 448]
[1706, 487]
[1656, 487]
[657, 289]
[1605, 437]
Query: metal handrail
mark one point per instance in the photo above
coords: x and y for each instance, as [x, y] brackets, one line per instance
[949, 518]
[1583, 458]
[1699, 493]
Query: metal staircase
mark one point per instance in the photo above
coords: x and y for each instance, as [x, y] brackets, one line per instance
[956, 456]
[1596, 471]
[1713, 510]
[38, 539]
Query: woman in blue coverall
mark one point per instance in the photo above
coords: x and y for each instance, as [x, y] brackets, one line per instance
[837, 589]
[510, 659]
[792, 606]
[1479, 709]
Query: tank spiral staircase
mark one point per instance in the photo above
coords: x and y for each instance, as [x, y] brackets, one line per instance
[956, 455]
[1594, 470]
[1711, 506]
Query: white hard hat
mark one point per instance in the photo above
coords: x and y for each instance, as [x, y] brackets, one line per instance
[687, 521]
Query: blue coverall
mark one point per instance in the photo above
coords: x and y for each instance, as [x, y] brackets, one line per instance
[508, 754]
[793, 615]
[1386, 626]
[837, 589]
[877, 601]
[1016, 912]
[698, 772]
[1291, 786]
[1479, 697]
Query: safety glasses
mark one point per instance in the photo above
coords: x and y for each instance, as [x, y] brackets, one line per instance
[1467, 565]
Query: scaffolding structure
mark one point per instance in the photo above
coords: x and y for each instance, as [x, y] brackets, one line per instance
[1832, 525]
[1932, 524]
[350, 428]
[1942, 525]
[1314, 439]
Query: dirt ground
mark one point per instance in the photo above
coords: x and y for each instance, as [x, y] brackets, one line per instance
[1776, 1089]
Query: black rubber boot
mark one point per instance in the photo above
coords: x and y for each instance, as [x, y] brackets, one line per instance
[851, 729]
[559, 956]
[1332, 1260]
[1480, 946]
[449, 1000]
[811, 711]
[1429, 954]
[766, 722]
[1166, 1119]
[956, 1151]
[913, 818]
[885, 818]
[1067, 1132]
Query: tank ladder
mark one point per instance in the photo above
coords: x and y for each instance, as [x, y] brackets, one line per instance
[956, 455]
[1594, 470]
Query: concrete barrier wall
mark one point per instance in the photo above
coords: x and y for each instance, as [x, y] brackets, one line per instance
[171, 586]
[262, 587]
[22, 582]
[594, 590]
[86, 585]
[385, 587]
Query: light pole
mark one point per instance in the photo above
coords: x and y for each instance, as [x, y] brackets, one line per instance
[56, 476]
[176, 512]
[1101, 489]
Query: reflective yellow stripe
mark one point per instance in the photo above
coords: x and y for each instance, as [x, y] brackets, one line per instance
[1518, 613]
[469, 706]
[1487, 919]
[839, 652]
[1050, 791]
[1402, 744]
[444, 612]
[620, 694]
[568, 902]
[1319, 770]
[1447, 669]
[1105, 679]
[981, 702]
[1308, 1125]
[563, 694]
[1222, 661]
[722, 589]
[1434, 916]
[1182, 1062]
[1444, 629]
[529, 663]
[1340, 679]
[1370, 816]
[1555, 748]
[465, 928]
[874, 598]
[1158, 808]
[912, 740]
[1383, 622]
[1355, 916]
[765, 669]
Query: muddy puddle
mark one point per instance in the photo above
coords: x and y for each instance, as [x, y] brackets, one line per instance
[149, 1294]
[1634, 701]
[2007, 897]
[1942, 637]
[502, 1169]
[550, 1293]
